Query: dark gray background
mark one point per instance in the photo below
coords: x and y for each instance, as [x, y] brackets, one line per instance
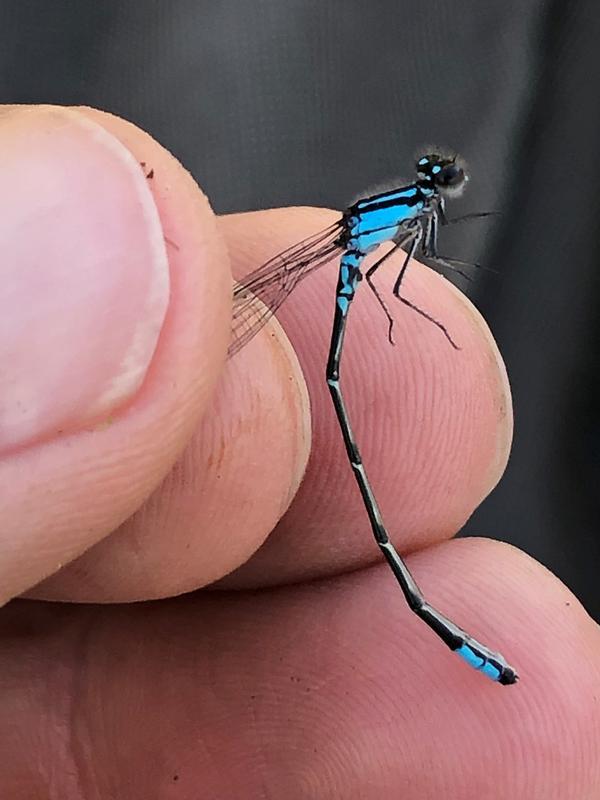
[284, 102]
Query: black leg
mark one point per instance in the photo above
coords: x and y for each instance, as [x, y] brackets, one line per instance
[466, 217]
[429, 243]
[449, 263]
[411, 251]
[369, 277]
[430, 250]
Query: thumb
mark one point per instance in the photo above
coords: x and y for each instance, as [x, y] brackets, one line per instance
[112, 284]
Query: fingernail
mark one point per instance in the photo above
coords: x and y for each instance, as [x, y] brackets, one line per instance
[84, 281]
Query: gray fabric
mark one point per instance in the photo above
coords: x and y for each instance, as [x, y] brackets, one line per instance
[284, 102]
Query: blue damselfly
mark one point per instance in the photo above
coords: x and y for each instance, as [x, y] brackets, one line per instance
[407, 217]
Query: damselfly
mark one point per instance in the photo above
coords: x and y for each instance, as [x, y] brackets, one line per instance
[408, 217]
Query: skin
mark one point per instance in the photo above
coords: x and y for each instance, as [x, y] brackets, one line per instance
[300, 673]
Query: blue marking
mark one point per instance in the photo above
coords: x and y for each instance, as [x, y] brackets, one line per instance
[352, 259]
[397, 197]
[368, 241]
[389, 217]
[381, 225]
[399, 194]
[478, 663]
[436, 169]
[423, 161]
[491, 671]
[470, 657]
[348, 277]
[343, 304]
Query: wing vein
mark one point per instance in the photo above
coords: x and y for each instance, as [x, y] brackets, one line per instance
[257, 297]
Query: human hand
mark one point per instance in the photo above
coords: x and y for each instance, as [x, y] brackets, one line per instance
[136, 463]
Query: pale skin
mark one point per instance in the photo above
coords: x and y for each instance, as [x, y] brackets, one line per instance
[318, 682]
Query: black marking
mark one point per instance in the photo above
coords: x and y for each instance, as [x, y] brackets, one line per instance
[382, 201]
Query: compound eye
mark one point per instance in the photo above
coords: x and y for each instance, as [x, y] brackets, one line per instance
[450, 175]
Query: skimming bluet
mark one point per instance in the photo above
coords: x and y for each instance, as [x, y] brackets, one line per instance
[408, 217]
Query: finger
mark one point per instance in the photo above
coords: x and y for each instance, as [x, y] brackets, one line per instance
[434, 426]
[328, 690]
[114, 304]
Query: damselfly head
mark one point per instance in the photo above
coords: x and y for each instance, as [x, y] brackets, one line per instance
[446, 172]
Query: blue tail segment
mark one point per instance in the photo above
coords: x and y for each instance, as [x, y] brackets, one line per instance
[493, 666]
